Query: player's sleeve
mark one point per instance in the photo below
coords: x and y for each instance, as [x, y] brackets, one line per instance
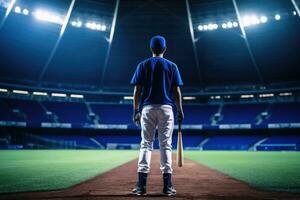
[138, 76]
[176, 77]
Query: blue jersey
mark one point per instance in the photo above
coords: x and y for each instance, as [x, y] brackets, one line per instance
[157, 76]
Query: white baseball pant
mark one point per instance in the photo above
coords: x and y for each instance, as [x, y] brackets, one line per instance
[158, 117]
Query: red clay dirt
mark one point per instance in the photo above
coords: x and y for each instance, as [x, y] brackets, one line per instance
[193, 181]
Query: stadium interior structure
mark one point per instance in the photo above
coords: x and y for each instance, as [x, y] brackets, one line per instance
[66, 67]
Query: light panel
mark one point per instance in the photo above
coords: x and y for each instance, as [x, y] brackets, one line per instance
[128, 97]
[40, 93]
[58, 95]
[48, 16]
[77, 96]
[20, 92]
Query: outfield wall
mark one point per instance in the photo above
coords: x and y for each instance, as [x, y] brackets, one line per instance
[59, 138]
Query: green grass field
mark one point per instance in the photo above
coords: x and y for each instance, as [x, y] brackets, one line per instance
[55, 169]
[279, 171]
[30, 170]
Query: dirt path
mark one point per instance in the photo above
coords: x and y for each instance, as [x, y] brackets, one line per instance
[193, 181]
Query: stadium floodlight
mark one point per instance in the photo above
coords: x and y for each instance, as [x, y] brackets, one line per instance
[229, 25]
[77, 96]
[205, 27]
[40, 93]
[25, 11]
[277, 17]
[266, 95]
[48, 16]
[20, 92]
[74, 23]
[58, 95]
[93, 26]
[215, 97]
[246, 21]
[17, 9]
[200, 28]
[3, 90]
[235, 24]
[128, 97]
[282, 94]
[247, 96]
[79, 24]
[103, 28]
[88, 25]
[189, 98]
[224, 26]
[98, 27]
[254, 20]
[216, 26]
[263, 19]
[210, 27]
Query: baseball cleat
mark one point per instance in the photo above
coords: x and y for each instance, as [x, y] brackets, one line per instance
[139, 191]
[170, 191]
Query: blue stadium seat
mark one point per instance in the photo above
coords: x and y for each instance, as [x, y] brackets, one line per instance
[241, 113]
[68, 112]
[231, 142]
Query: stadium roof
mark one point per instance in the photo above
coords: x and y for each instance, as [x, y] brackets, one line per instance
[219, 56]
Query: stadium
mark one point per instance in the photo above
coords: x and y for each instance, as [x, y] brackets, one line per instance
[66, 103]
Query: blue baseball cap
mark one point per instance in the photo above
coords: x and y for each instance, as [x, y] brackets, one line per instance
[158, 43]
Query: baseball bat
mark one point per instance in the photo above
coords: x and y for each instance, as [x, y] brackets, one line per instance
[179, 147]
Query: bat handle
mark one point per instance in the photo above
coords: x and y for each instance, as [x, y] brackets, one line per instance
[179, 126]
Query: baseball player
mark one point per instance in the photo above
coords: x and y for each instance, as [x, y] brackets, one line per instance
[156, 89]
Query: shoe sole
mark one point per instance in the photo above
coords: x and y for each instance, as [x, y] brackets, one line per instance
[169, 194]
[139, 194]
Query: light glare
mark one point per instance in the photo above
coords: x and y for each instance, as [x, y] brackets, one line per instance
[103, 28]
[79, 24]
[200, 28]
[25, 11]
[254, 20]
[17, 9]
[73, 23]
[49, 17]
[263, 19]
[210, 26]
[229, 24]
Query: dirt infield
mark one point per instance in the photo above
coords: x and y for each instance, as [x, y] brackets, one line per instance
[193, 181]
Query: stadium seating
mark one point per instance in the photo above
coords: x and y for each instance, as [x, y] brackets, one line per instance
[71, 141]
[241, 113]
[68, 112]
[190, 141]
[32, 110]
[77, 114]
[199, 114]
[6, 112]
[113, 113]
[284, 113]
[231, 142]
[280, 143]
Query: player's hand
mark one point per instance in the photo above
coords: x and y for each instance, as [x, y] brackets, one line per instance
[180, 116]
[136, 117]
